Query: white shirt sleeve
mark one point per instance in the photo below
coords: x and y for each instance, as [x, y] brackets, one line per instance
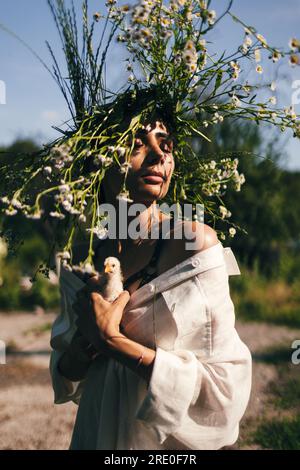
[64, 390]
[63, 330]
[201, 398]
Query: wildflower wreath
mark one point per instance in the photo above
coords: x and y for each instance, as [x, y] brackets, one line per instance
[174, 74]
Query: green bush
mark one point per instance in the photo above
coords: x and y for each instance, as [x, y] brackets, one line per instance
[13, 268]
[10, 289]
[13, 297]
[42, 293]
[257, 298]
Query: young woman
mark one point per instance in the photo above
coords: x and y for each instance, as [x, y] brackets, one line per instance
[162, 367]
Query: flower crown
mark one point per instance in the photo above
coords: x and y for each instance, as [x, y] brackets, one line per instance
[173, 74]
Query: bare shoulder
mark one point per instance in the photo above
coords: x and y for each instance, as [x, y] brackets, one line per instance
[186, 239]
[201, 235]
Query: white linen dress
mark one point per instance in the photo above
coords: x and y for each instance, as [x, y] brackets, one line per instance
[201, 379]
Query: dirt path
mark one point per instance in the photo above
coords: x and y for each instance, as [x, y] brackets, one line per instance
[273, 376]
[28, 417]
[29, 420]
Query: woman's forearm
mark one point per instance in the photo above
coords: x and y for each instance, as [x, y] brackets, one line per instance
[128, 352]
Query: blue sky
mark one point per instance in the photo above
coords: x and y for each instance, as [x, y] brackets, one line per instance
[33, 100]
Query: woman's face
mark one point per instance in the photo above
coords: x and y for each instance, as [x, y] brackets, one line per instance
[152, 166]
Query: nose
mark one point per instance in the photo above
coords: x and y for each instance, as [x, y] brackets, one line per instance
[154, 158]
[155, 154]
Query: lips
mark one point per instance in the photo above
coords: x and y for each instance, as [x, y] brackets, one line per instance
[154, 174]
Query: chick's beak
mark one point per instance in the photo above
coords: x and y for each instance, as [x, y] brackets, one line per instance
[108, 268]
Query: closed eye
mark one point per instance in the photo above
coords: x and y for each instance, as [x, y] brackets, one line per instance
[167, 147]
[138, 143]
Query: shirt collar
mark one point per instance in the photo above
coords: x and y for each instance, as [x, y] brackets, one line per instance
[203, 260]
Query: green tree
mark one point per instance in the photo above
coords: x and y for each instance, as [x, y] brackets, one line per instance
[266, 207]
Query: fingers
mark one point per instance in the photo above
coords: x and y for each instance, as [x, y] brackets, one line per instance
[86, 295]
[97, 298]
[123, 299]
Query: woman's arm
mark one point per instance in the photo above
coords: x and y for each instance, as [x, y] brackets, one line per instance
[128, 353]
[99, 322]
[74, 363]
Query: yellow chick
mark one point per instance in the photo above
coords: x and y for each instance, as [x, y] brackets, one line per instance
[111, 281]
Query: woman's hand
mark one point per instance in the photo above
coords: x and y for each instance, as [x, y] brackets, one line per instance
[97, 318]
